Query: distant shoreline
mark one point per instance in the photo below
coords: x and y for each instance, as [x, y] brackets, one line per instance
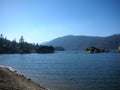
[10, 80]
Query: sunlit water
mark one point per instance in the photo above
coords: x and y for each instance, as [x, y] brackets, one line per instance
[69, 70]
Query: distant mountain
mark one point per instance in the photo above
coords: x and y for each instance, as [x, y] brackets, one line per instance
[82, 42]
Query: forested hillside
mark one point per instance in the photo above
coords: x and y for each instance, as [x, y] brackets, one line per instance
[8, 47]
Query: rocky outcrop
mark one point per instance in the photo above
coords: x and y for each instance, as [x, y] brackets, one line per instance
[118, 49]
[95, 50]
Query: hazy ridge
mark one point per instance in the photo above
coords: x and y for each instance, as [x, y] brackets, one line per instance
[82, 42]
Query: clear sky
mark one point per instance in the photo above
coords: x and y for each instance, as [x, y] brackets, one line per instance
[42, 20]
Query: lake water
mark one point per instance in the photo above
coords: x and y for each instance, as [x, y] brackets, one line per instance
[69, 70]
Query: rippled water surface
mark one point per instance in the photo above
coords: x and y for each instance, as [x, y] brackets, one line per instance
[69, 70]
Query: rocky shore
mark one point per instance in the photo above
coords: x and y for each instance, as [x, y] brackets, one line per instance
[10, 80]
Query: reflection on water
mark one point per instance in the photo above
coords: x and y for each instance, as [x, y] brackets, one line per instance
[68, 70]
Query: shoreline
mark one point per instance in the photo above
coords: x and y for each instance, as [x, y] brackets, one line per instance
[10, 68]
[11, 80]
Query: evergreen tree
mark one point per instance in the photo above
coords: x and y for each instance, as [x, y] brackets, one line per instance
[21, 39]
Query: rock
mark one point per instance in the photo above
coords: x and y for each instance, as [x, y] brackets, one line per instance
[95, 50]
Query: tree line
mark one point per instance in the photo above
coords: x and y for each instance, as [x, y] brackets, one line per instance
[22, 47]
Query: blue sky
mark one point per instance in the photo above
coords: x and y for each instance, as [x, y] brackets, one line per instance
[44, 20]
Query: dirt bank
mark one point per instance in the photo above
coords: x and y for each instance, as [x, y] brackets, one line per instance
[9, 80]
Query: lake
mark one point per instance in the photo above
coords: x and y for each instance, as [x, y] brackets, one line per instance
[68, 70]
